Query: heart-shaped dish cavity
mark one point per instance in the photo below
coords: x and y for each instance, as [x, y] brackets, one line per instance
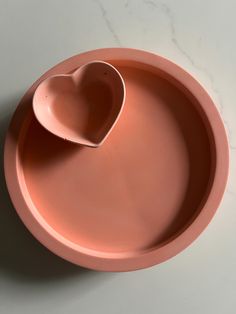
[81, 107]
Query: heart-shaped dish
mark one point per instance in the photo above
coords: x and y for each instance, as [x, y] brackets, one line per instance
[81, 107]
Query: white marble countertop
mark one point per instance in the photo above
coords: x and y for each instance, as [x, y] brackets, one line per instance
[198, 35]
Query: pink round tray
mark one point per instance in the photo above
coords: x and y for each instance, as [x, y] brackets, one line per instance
[146, 193]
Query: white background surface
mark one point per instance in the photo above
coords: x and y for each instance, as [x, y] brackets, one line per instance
[198, 35]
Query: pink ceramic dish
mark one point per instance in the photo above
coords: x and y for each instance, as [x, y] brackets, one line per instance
[141, 197]
[81, 107]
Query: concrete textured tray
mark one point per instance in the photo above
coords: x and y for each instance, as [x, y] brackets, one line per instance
[141, 197]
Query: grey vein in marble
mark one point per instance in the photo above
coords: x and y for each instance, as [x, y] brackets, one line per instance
[126, 3]
[108, 22]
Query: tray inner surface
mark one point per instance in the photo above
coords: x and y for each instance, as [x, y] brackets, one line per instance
[136, 191]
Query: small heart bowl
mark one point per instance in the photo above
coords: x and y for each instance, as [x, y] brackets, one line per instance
[81, 107]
